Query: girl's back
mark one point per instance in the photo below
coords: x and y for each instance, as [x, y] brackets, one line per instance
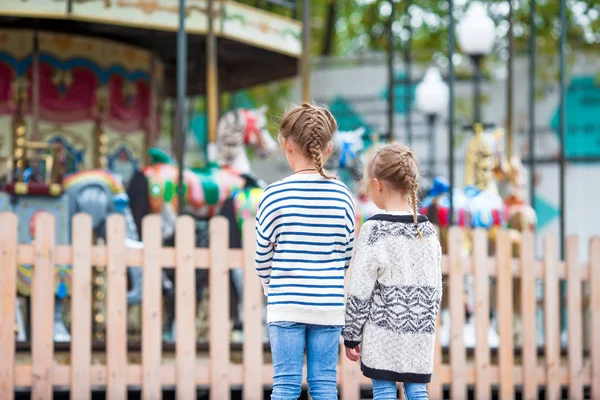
[305, 233]
[309, 220]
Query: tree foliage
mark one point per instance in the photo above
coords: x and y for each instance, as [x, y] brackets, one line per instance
[361, 25]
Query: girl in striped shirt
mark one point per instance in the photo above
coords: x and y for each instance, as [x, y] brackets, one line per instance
[305, 233]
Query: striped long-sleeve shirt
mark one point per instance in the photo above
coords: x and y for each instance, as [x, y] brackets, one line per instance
[305, 234]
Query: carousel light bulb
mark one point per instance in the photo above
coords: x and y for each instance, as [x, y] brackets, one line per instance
[431, 94]
[476, 32]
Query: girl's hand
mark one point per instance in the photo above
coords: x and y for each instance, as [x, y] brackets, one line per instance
[353, 354]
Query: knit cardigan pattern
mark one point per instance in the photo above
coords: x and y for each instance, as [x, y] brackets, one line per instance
[394, 298]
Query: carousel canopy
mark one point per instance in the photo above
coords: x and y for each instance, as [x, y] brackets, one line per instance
[240, 65]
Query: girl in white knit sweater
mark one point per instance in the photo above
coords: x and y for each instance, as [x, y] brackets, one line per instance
[396, 284]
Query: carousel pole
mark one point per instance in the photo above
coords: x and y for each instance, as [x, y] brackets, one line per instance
[153, 128]
[408, 78]
[451, 40]
[509, 85]
[391, 77]
[212, 81]
[562, 121]
[36, 87]
[181, 92]
[305, 61]
[532, 49]
[561, 129]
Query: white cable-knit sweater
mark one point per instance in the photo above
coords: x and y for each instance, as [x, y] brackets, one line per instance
[394, 296]
[305, 235]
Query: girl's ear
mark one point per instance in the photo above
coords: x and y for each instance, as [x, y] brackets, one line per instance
[287, 145]
[378, 184]
[328, 150]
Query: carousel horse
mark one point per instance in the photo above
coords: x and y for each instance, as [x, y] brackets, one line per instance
[207, 191]
[98, 193]
[478, 205]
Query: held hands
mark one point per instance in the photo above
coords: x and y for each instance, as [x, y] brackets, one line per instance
[353, 354]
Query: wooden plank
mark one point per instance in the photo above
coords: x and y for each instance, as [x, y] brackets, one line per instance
[42, 306]
[61, 375]
[8, 293]
[505, 315]
[574, 319]
[482, 315]
[348, 371]
[595, 316]
[253, 328]
[81, 307]
[435, 387]
[116, 309]
[458, 389]
[185, 303]
[551, 314]
[528, 308]
[151, 308]
[219, 309]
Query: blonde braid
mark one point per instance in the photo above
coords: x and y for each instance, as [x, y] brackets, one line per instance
[315, 144]
[415, 203]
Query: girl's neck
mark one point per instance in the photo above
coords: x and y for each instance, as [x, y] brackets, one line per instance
[303, 166]
[395, 204]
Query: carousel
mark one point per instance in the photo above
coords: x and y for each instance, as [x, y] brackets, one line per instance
[82, 85]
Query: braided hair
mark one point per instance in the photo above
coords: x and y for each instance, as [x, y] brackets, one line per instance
[311, 128]
[397, 165]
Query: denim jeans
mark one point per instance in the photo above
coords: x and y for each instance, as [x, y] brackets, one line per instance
[386, 390]
[289, 340]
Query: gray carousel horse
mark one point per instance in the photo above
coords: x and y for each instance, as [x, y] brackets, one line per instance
[99, 194]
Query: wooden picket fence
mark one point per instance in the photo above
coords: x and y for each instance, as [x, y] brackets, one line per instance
[528, 370]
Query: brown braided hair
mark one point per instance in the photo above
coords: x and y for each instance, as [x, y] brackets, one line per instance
[397, 166]
[311, 128]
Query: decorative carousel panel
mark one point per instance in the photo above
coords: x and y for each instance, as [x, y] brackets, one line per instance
[15, 58]
[27, 208]
[75, 141]
[269, 31]
[239, 22]
[40, 8]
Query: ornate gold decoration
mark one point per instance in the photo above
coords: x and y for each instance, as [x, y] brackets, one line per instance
[129, 92]
[62, 80]
[479, 161]
[152, 6]
[21, 188]
[99, 296]
[20, 89]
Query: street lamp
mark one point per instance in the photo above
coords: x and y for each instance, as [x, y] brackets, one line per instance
[476, 34]
[431, 98]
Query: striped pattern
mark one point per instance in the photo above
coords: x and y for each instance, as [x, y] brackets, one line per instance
[305, 235]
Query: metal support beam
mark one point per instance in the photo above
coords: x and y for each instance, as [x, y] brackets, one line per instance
[212, 78]
[305, 60]
[562, 120]
[391, 78]
[532, 50]
[181, 93]
[509, 84]
[408, 75]
[451, 79]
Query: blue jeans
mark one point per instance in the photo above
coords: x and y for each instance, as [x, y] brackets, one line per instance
[322, 345]
[386, 390]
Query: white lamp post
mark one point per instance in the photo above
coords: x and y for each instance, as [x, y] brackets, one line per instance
[476, 34]
[431, 98]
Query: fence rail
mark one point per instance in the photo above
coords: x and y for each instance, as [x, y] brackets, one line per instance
[528, 370]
